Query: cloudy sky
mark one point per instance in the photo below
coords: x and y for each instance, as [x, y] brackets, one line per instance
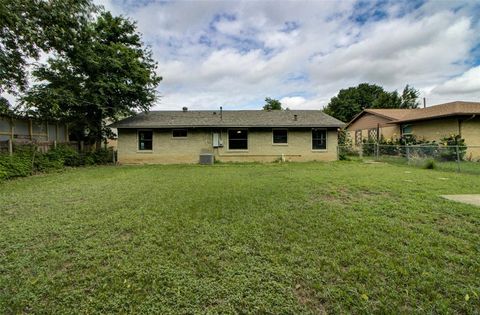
[235, 53]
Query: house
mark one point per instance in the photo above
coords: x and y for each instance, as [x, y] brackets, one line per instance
[240, 135]
[430, 124]
[374, 124]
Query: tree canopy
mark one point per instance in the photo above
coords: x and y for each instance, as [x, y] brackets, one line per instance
[349, 102]
[105, 73]
[272, 104]
[30, 27]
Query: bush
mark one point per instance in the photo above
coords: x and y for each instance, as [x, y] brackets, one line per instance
[450, 151]
[18, 165]
[64, 152]
[100, 157]
[27, 160]
[429, 164]
[368, 147]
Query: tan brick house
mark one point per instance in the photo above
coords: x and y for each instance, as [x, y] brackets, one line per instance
[243, 135]
[430, 124]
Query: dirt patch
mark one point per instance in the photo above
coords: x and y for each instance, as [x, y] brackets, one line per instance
[306, 296]
[347, 196]
[468, 199]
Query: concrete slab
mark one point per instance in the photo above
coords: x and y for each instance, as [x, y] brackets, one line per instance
[470, 199]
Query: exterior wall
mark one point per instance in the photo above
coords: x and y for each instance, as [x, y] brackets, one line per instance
[434, 130]
[370, 121]
[388, 132]
[391, 131]
[187, 150]
[471, 133]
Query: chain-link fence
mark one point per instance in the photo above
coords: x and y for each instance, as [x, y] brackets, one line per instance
[459, 158]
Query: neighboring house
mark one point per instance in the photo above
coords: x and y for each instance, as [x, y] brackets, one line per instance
[17, 129]
[244, 135]
[430, 124]
[372, 124]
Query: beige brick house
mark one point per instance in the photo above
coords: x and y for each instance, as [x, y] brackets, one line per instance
[244, 135]
[431, 124]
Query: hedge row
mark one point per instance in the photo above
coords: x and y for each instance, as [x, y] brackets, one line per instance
[28, 161]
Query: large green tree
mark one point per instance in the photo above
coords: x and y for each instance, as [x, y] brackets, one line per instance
[349, 102]
[272, 104]
[106, 73]
[29, 28]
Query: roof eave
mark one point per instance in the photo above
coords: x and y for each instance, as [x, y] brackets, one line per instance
[226, 126]
[433, 117]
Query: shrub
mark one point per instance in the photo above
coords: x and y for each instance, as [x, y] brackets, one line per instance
[98, 157]
[43, 163]
[69, 156]
[18, 165]
[451, 143]
[27, 160]
[429, 164]
[368, 147]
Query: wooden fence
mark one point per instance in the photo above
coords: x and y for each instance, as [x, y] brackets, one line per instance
[16, 131]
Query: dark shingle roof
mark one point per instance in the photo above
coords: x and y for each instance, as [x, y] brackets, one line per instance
[230, 118]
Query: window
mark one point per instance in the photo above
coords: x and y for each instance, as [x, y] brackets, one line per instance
[319, 139]
[407, 129]
[179, 133]
[280, 136]
[358, 137]
[238, 139]
[372, 134]
[145, 138]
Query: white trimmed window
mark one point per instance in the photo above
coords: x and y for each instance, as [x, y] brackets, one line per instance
[319, 139]
[280, 136]
[145, 140]
[238, 139]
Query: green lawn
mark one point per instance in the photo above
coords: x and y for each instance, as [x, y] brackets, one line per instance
[468, 167]
[343, 237]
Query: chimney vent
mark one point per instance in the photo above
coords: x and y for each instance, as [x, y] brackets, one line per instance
[185, 108]
[295, 117]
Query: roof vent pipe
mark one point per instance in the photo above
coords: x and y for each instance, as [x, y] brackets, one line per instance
[295, 117]
[185, 108]
[221, 112]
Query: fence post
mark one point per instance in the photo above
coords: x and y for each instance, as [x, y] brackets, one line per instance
[113, 157]
[377, 152]
[408, 153]
[458, 158]
[54, 144]
[10, 147]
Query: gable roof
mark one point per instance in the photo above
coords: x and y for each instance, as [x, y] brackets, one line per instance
[229, 118]
[388, 113]
[457, 108]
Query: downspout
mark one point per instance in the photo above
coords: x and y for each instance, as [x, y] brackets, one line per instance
[461, 121]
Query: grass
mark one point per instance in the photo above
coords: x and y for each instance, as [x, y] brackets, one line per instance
[344, 237]
[467, 167]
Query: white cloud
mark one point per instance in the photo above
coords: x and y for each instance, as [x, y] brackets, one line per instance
[236, 53]
[466, 84]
